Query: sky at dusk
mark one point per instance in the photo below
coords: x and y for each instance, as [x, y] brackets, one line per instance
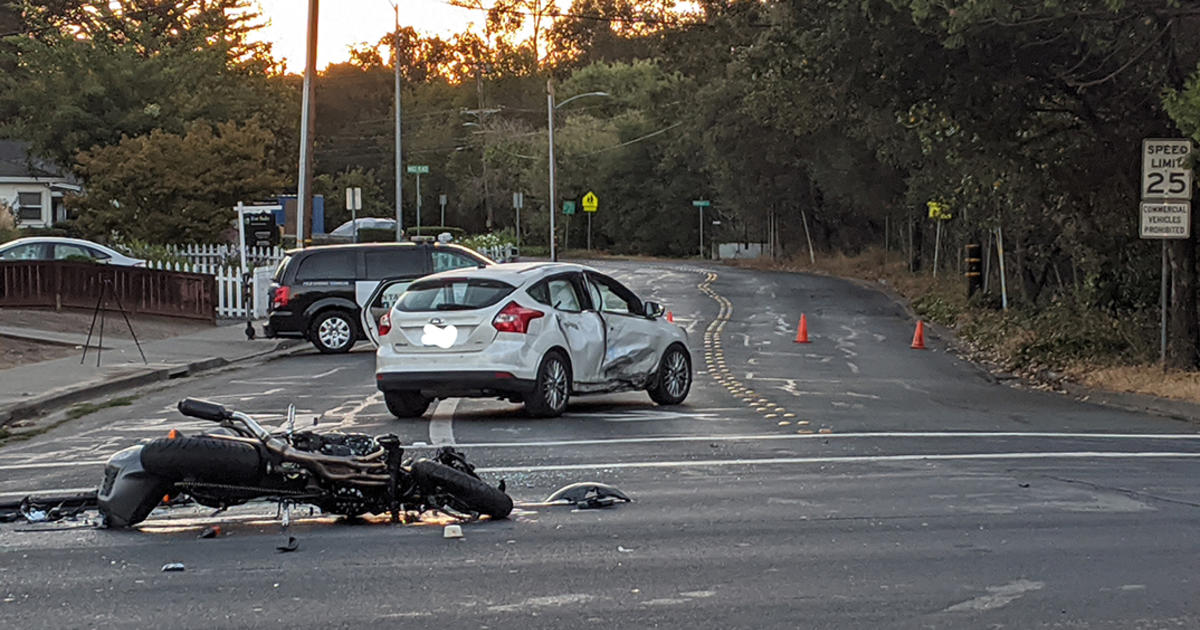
[344, 23]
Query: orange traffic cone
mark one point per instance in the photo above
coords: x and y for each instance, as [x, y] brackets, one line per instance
[802, 331]
[670, 317]
[919, 336]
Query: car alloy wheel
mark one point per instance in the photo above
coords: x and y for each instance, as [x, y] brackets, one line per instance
[675, 380]
[554, 384]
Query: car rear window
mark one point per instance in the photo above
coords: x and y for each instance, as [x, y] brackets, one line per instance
[395, 262]
[453, 294]
[327, 266]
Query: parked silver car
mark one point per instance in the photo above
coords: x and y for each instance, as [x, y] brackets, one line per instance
[60, 248]
[535, 333]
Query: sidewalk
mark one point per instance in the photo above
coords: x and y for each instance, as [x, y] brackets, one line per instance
[29, 390]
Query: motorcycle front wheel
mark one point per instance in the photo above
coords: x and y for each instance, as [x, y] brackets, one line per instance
[467, 493]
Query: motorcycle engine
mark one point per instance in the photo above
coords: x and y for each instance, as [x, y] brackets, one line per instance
[336, 444]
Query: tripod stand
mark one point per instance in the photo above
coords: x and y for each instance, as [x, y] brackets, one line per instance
[100, 311]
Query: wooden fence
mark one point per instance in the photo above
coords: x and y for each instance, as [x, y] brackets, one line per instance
[58, 284]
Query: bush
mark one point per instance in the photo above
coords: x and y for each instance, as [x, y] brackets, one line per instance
[434, 230]
[147, 251]
[376, 235]
[491, 239]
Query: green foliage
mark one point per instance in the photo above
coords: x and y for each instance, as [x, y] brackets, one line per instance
[376, 235]
[101, 70]
[490, 239]
[176, 188]
[147, 251]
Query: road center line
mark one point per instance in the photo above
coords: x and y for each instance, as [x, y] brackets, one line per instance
[730, 438]
[441, 429]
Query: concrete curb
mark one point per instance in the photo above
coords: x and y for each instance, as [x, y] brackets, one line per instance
[39, 405]
[1138, 403]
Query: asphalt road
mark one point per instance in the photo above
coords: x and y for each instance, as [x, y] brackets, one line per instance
[851, 482]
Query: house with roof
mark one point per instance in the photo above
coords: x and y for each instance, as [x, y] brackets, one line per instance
[34, 188]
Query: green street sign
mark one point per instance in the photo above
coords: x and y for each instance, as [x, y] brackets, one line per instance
[418, 168]
[568, 207]
[702, 203]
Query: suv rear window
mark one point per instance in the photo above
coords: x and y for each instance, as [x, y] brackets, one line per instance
[393, 262]
[327, 266]
[453, 294]
[279, 269]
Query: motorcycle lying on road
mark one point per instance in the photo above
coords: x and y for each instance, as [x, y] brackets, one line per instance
[350, 474]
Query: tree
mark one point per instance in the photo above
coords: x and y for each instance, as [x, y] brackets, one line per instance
[98, 70]
[171, 188]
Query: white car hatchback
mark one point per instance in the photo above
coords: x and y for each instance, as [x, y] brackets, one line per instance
[535, 333]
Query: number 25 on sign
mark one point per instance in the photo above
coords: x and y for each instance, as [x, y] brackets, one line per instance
[1166, 168]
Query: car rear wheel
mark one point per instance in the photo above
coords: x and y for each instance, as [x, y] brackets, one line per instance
[674, 378]
[406, 404]
[552, 389]
[332, 332]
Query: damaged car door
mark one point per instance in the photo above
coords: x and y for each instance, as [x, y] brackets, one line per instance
[633, 342]
[580, 325]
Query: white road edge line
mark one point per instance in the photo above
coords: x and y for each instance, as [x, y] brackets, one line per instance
[734, 438]
[854, 459]
[441, 429]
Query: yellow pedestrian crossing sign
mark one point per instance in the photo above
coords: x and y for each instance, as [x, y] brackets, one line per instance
[590, 202]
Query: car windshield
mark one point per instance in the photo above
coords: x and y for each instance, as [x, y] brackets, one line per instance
[453, 294]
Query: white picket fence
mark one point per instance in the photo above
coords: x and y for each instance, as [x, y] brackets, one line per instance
[213, 256]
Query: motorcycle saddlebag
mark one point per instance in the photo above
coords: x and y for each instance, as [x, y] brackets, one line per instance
[128, 493]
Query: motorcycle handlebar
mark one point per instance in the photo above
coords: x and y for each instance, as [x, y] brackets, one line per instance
[204, 409]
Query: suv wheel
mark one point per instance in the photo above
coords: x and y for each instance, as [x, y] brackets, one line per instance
[552, 389]
[406, 404]
[332, 332]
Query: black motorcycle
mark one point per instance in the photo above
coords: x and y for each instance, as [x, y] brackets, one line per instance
[350, 474]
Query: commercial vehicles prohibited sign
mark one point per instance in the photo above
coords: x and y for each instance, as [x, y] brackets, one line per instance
[1166, 169]
[1166, 219]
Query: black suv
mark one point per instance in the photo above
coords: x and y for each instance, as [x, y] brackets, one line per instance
[317, 292]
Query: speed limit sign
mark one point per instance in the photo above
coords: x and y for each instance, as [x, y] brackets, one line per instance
[1166, 169]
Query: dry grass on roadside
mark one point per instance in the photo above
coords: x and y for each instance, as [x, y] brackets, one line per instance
[1142, 379]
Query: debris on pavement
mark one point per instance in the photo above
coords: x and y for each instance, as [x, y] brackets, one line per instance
[587, 495]
[452, 531]
[171, 567]
[291, 545]
[212, 531]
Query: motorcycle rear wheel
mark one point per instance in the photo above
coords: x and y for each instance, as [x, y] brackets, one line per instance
[470, 494]
[204, 458]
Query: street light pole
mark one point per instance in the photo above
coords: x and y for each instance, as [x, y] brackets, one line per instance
[399, 172]
[550, 107]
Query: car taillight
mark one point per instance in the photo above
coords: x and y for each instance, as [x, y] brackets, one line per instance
[385, 324]
[515, 318]
[281, 296]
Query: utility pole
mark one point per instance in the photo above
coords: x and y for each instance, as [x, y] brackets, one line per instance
[487, 207]
[399, 172]
[550, 125]
[307, 114]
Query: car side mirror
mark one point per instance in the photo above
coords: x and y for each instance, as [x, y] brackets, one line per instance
[653, 310]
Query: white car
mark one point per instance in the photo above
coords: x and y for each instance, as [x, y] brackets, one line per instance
[59, 248]
[527, 332]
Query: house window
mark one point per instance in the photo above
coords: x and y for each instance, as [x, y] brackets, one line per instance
[29, 206]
